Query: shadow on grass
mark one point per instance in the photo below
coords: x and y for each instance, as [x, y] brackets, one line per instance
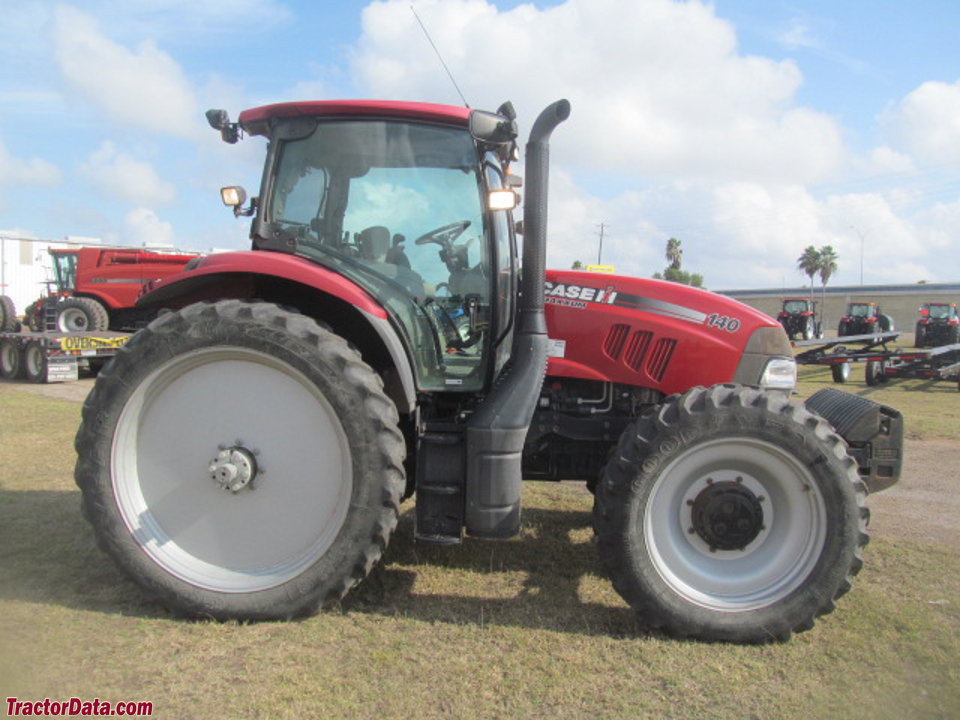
[535, 581]
[48, 555]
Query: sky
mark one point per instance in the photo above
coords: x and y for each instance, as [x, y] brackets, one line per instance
[747, 130]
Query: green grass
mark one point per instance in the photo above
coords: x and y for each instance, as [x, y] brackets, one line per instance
[518, 629]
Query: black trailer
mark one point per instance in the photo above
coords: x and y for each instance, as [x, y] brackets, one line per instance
[882, 363]
[56, 356]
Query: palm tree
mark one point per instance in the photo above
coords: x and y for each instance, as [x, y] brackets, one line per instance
[674, 253]
[828, 266]
[809, 264]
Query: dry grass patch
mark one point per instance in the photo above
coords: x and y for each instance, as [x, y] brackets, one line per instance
[518, 629]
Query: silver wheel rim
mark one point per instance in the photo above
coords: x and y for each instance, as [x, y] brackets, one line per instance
[774, 564]
[8, 360]
[73, 320]
[165, 468]
[33, 360]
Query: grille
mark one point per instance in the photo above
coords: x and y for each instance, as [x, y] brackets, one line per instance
[616, 338]
[660, 358]
[637, 349]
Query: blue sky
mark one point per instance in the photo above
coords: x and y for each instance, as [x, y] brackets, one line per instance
[746, 129]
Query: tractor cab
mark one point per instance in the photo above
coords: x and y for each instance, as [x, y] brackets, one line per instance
[940, 312]
[862, 310]
[401, 206]
[938, 325]
[64, 269]
[864, 318]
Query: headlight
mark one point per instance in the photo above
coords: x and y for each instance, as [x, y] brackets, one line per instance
[779, 374]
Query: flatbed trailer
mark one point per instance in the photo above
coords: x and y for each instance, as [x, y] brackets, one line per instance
[56, 356]
[882, 364]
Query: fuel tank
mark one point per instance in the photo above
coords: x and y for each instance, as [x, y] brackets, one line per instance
[651, 333]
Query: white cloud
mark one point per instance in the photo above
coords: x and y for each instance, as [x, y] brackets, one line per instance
[143, 88]
[35, 171]
[926, 123]
[658, 88]
[143, 228]
[120, 176]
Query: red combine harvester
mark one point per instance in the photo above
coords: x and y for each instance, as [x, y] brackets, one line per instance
[245, 455]
[96, 288]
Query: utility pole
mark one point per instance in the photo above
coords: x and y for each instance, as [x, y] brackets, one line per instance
[602, 227]
[857, 231]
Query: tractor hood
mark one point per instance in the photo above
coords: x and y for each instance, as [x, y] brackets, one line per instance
[654, 333]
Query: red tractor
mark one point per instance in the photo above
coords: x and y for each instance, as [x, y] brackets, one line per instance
[96, 288]
[799, 318]
[245, 455]
[864, 318]
[938, 325]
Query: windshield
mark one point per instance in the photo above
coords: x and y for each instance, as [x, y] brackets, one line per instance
[862, 311]
[795, 306]
[940, 311]
[396, 207]
[65, 269]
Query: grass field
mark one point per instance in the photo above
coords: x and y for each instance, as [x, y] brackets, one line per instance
[519, 629]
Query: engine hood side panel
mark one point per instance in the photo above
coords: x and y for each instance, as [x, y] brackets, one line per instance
[645, 332]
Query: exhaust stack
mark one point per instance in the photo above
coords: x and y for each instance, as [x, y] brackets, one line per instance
[497, 430]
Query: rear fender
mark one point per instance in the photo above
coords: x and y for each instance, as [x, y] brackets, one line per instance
[313, 290]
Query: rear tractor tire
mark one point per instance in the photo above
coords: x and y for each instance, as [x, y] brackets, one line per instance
[238, 461]
[731, 514]
[81, 314]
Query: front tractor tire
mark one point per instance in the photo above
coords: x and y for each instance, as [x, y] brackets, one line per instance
[81, 314]
[731, 514]
[238, 461]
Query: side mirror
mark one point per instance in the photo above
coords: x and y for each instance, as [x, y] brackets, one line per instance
[492, 128]
[220, 120]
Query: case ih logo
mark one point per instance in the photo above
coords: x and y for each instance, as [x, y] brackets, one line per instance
[577, 295]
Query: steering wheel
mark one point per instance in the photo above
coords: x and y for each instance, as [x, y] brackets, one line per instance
[444, 235]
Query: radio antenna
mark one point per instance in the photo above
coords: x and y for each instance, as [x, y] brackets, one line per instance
[439, 56]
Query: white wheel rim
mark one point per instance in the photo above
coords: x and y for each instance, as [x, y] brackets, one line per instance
[8, 362]
[170, 431]
[73, 320]
[774, 564]
[33, 360]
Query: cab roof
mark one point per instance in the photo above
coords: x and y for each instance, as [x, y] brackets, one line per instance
[256, 120]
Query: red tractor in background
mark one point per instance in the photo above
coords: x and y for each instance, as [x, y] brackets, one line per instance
[938, 325]
[799, 318]
[864, 318]
[245, 455]
[96, 288]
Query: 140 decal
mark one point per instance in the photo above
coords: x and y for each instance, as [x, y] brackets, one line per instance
[722, 322]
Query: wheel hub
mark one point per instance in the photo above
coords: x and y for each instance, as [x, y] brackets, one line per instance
[727, 515]
[234, 468]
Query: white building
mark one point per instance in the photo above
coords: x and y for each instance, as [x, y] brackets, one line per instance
[25, 266]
